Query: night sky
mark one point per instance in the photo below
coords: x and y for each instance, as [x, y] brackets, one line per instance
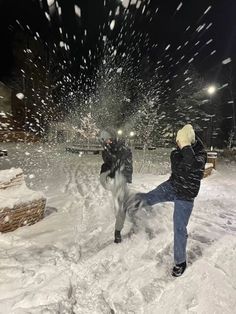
[163, 27]
[65, 53]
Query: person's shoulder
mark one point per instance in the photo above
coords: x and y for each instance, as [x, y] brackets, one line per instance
[175, 151]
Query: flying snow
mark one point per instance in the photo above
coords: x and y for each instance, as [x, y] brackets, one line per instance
[125, 3]
[62, 44]
[138, 4]
[208, 9]
[112, 25]
[200, 28]
[77, 10]
[226, 61]
[167, 47]
[20, 96]
[208, 26]
[209, 41]
[179, 6]
[50, 2]
[48, 16]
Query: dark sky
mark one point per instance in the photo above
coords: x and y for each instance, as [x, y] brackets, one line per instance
[163, 44]
[163, 27]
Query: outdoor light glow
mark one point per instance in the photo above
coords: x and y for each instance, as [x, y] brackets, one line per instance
[211, 90]
[131, 133]
[119, 132]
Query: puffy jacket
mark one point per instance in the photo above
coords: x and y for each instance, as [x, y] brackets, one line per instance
[118, 157]
[187, 167]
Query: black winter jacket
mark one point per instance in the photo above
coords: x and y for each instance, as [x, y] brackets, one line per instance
[187, 167]
[118, 157]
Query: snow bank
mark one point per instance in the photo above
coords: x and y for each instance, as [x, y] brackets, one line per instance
[68, 263]
[13, 197]
[13, 190]
[9, 174]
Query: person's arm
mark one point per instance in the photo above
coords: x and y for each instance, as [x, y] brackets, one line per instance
[191, 160]
[127, 162]
[105, 170]
[107, 162]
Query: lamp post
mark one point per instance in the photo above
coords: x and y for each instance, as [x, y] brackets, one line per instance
[228, 63]
[131, 134]
[211, 140]
[211, 90]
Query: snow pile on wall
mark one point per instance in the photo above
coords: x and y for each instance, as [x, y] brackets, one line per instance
[11, 177]
[19, 205]
[13, 190]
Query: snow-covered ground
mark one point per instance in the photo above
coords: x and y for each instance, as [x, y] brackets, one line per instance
[68, 263]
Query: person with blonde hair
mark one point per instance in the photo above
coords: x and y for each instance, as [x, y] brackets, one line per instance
[187, 169]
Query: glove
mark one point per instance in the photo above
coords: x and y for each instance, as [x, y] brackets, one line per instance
[185, 136]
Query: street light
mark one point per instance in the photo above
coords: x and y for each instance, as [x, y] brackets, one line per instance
[131, 134]
[119, 132]
[211, 90]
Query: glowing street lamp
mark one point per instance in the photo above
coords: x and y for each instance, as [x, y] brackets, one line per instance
[211, 90]
[119, 132]
[131, 134]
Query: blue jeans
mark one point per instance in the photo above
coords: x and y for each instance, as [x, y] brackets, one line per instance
[182, 211]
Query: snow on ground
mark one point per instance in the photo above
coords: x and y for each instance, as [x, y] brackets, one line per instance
[68, 263]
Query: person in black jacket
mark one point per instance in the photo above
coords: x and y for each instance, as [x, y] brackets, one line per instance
[187, 169]
[116, 172]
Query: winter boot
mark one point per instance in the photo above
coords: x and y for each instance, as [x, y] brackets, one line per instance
[117, 236]
[179, 269]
